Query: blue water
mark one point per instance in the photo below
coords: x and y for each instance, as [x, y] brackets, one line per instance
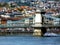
[29, 40]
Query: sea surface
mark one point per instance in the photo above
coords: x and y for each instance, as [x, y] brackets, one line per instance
[29, 40]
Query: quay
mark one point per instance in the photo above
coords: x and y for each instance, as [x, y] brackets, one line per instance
[37, 27]
[37, 18]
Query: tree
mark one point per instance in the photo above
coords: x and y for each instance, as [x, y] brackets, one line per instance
[4, 5]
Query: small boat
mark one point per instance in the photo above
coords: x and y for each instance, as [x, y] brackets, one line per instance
[50, 34]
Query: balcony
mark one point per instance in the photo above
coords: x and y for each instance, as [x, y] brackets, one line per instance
[13, 25]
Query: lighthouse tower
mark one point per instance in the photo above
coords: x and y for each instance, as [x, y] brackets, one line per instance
[38, 23]
[38, 18]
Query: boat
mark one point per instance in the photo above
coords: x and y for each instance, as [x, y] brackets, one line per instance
[50, 34]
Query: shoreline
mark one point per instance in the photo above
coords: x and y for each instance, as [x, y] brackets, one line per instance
[15, 33]
[23, 34]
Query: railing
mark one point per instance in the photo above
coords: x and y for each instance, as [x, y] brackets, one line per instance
[15, 25]
[26, 25]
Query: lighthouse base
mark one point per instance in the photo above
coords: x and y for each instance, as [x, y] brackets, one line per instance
[37, 32]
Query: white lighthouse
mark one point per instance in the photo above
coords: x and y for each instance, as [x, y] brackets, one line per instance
[38, 23]
[38, 18]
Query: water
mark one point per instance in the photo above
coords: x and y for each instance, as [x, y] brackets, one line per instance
[29, 40]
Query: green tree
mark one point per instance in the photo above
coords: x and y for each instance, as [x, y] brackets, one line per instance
[4, 5]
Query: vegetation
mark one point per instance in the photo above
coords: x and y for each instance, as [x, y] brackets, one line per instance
[4, 5]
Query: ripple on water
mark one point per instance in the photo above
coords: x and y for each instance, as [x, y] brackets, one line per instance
[29, 40]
